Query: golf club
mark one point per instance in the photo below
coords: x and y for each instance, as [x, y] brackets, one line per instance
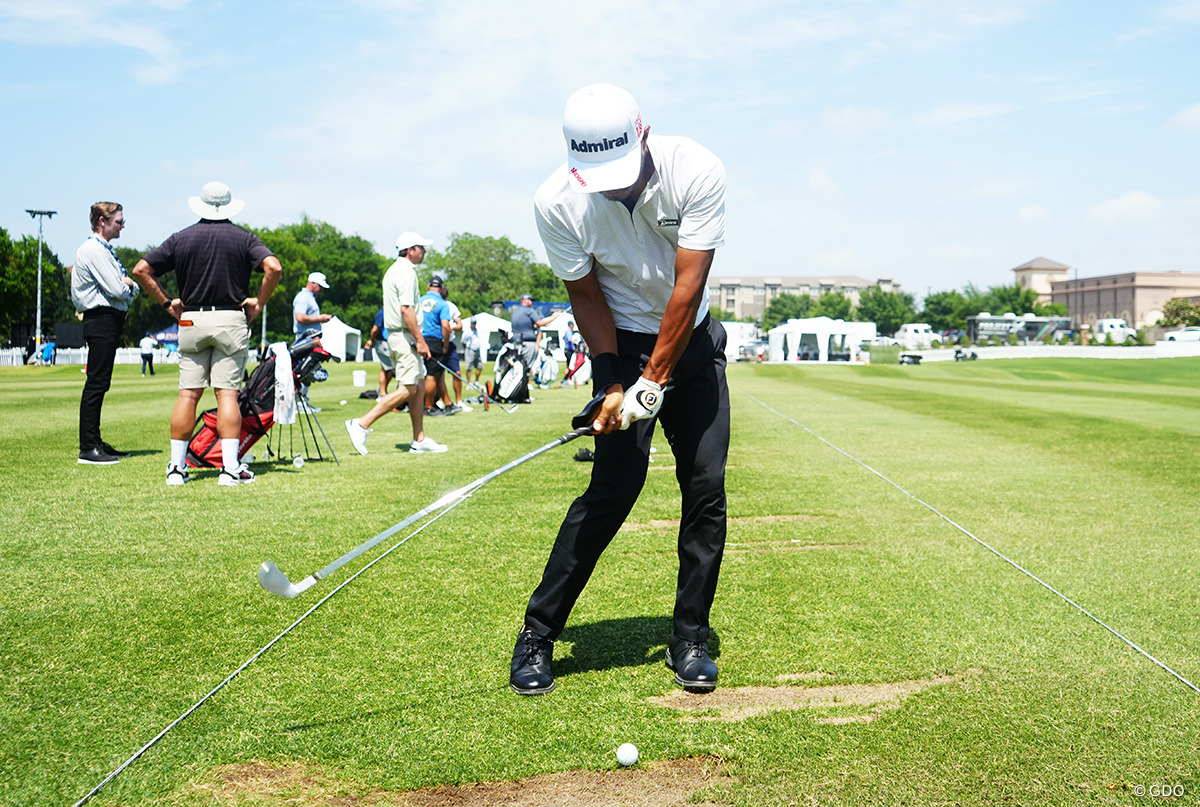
[487, 398]
[275, 581]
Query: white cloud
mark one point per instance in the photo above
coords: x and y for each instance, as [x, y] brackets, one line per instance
[1188, 119]
[1135, 207]
[856, 120]
[1034, 214]
[954, 114]
[820, 180]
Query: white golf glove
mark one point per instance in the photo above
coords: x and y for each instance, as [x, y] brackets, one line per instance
[642, 400]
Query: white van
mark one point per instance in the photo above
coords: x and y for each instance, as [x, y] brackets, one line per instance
[915, 335]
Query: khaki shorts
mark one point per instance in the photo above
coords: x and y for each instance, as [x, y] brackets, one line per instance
[212, 349]
[410, 368]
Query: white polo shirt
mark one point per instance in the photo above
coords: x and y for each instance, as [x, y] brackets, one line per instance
[683, 205]
[400, 288]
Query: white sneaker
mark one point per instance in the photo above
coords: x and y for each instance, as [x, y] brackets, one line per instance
[240, 475]
[427, 446]
[462, 407]
[177, 475]
[358, 436]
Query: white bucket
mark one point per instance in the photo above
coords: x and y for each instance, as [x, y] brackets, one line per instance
[360, 378]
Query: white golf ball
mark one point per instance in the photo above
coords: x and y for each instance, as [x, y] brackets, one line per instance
[343, 403]
[627, 754]
[653, 450]
[298, 461]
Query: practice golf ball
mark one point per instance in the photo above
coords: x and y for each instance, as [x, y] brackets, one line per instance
[298, 461]
[653, 450]
[343, 403]
[627, 754]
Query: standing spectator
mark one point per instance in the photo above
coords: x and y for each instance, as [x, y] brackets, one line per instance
[473, 354]
[525, 331]
[435, 314]
[456, 324]
[147, 346]
[400, 294]
[306, 314]
[212, 261]
[383, 353]
[631, 224]
[102, 291]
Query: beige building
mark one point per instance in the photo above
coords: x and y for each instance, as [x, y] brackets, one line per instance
[1136, 297]
[750, 296]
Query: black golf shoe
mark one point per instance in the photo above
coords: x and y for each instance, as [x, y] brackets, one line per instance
[693, 666]
[97, 456]
[531, 673]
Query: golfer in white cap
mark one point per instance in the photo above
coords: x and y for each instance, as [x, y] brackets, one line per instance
[401, 292]
[305, 311]
[631, 224]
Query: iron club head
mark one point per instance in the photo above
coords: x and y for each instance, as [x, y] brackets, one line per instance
[275, 581]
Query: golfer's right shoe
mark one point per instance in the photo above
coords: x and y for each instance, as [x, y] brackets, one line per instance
[358, 436]
[693, 666]
[242, 475]
[177, 475]
[531, 673]
[97, 456]
[427, 445]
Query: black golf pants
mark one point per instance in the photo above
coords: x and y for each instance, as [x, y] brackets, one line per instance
[102, 332]
[695, 420]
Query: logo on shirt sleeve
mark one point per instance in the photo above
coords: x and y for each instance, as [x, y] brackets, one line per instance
[665, 222]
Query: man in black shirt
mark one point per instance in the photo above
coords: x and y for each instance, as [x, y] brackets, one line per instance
[212, 261]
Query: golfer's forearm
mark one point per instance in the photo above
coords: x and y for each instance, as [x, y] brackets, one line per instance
[272, 271]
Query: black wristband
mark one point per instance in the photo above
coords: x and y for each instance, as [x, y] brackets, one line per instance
[167, 304]
[606, 371]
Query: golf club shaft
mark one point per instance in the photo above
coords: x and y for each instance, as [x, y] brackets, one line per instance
[445, 501]
[475, 386]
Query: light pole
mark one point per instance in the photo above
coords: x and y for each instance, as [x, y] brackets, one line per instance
[40, 215]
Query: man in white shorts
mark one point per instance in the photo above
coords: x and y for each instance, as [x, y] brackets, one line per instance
[212, 261]
[401, 292]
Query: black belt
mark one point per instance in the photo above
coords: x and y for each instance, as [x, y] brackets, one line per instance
[212, 308]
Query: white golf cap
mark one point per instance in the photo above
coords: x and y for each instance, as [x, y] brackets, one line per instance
[603, 130]
[215, 202]
[411, 239]
[319, 279]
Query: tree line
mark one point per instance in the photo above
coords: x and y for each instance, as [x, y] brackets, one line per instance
[480, 272]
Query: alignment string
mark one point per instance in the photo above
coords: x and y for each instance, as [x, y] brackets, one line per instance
[982, 543]
[264, 649]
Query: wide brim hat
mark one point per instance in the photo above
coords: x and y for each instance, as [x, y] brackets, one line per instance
[602, 127]
[215, 202]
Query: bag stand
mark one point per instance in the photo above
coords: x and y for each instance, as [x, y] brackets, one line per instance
[305, 421]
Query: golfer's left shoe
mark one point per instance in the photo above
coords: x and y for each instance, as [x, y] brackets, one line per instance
[531, 673]
[693, 666]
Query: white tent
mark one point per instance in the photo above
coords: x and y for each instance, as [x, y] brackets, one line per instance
[738, 335]
[492, 331]
[818, 339]
[341, 340]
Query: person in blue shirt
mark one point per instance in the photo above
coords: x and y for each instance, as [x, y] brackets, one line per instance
[378, 340]
[435, 329]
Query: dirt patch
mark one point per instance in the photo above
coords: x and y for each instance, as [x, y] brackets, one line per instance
[865, 702]
[655, 784]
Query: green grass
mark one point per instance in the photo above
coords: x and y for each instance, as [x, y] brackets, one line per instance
[125, 601]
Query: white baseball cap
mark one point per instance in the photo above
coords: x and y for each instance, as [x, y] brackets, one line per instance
[319, 279]
[411, 239]
[603, 130]
[215, 202]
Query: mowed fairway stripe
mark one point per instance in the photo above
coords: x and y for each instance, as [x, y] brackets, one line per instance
[979, 541]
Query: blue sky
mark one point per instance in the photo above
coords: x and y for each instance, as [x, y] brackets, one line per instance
[936, 142]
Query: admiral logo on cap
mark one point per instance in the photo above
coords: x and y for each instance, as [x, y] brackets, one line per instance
[603, 129]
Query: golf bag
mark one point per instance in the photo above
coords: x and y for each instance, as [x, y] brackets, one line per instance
[256, 404]
[512, 376]
[579, 370]
[547, 371]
